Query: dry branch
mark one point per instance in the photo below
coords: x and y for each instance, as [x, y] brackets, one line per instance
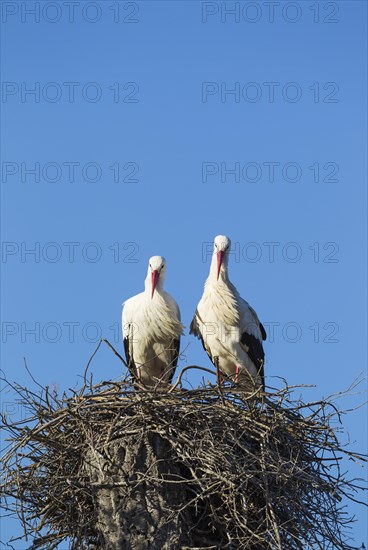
[110, 467]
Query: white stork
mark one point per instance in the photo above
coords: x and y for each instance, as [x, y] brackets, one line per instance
[229, 328]
[152, 329]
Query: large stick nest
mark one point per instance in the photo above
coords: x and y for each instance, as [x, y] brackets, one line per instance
[256, 473]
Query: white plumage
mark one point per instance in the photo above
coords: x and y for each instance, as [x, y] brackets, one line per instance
[229, 328]
[152, 329]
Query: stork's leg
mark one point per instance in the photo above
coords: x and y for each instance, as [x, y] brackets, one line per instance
[218, 372]
[137, 377]
[237, 369]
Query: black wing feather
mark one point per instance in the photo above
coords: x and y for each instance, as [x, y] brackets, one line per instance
[131, 365]
[255, 352]
[174, 361]
[206, 349]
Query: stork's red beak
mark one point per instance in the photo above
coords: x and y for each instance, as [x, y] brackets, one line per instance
[220, 256]
[154, 277]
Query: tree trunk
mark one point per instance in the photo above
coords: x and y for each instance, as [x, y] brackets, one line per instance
[133, 504]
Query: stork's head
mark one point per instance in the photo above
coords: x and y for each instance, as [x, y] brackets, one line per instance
[221, 248]
[156, 272]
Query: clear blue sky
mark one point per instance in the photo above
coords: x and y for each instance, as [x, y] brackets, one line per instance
[141, 93]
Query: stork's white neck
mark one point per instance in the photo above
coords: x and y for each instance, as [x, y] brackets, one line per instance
[220, 296]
